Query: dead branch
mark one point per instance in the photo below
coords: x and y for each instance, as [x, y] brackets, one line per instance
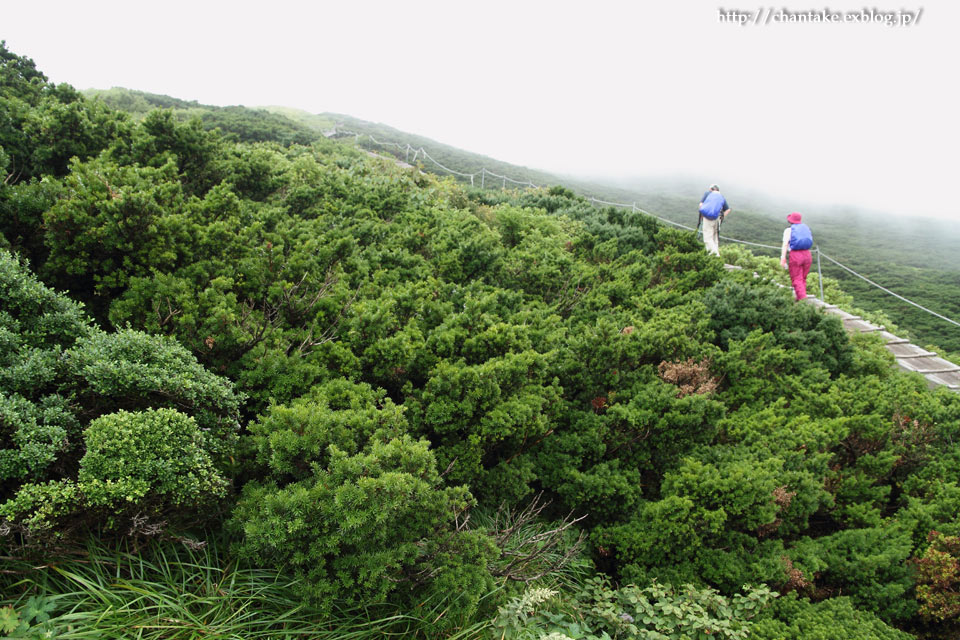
[532, 555]
[171, 312]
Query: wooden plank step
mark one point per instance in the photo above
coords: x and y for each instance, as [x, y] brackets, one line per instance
[932, 371]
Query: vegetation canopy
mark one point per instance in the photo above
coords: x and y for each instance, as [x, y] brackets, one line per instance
[402, 405]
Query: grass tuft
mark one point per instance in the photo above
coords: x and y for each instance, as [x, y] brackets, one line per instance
[171, 592]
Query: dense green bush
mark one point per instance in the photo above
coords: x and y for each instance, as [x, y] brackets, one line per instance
[356, 508]
[868, 565]
[114, 224]
[792, 618]
[142, 468]
[660, 612]
[44, 125]
[814, 338]
[133, 370]
[65, 460]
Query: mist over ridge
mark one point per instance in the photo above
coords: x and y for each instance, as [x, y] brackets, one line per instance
[927, 240]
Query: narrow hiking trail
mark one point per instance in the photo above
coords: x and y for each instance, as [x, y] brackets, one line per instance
[910, 357]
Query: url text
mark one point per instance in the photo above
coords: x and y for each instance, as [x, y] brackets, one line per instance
[768, 15]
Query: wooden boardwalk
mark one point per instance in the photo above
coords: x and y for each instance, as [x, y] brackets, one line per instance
[910, 357]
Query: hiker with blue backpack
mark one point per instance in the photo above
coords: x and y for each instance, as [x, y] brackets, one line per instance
[713, 209]
[798, 239]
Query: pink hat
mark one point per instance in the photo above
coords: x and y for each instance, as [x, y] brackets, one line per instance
[793, 218]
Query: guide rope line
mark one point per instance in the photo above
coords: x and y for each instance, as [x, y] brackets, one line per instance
[386, 142]
[653, 215]
[884, 289]
[634, 207]
[612, 204]
[484, 171]
[676, 224]
[509, 179]
[423, 151]
[427, 155]
[755, 244]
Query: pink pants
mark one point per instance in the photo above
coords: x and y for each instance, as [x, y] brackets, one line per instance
[799, 268]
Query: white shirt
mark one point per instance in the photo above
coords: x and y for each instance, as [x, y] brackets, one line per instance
[786, 243]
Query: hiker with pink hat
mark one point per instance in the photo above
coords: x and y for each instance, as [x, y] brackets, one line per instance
[798, 240]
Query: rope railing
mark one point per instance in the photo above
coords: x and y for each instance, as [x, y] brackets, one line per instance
[885, 290]
[484, 172]
[448, 169]
[421, 151]
[652, 215]
[752, 244]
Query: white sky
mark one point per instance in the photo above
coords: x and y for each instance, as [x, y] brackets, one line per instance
[850, 113]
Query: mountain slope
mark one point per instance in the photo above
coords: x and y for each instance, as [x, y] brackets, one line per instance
[358, 357]
[246, 124]
[915, 258]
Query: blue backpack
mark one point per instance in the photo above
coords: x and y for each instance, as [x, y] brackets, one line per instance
[713, 205]
[800, 237]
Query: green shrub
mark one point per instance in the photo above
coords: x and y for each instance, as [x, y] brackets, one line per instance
[868, 565]
[355, 508]
[39, 433]
[793, 618]
[290, 440]
[139, 467]
[811, 336]
[114, 223]
[663, 537]
[58, 375]
[659, 612]
[133, 370]
[132, 455]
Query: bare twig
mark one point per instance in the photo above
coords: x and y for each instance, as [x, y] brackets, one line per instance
[532, 555]
[171, 312]
[449, 467]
